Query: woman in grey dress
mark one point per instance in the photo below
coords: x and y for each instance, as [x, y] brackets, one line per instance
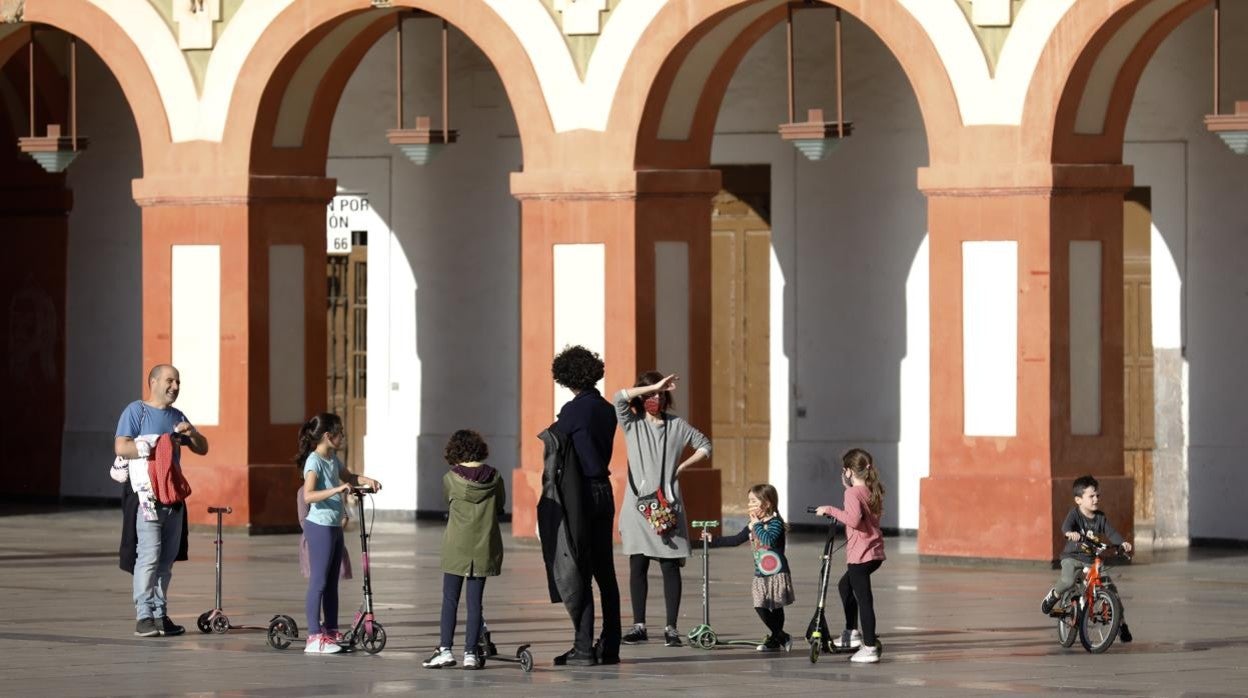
[656, 440]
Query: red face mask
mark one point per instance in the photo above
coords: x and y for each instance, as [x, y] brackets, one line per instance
[653, 404]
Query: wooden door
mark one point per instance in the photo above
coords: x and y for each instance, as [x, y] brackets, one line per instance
[740, 330]
[1138, 442]
[347, 316]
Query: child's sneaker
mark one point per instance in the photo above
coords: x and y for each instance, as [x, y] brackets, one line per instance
[314, 644]
[336, 637]
[1050, 600]
[441, 657]
[636, 635]
[774, 644]
[488, 649]
[849, 639]
[1124, 633]
[867, 654]
[321, 644]
[470, 661]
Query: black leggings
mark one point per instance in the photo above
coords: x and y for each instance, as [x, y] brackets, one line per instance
[855, 588]
[639, 586]
[774, 620]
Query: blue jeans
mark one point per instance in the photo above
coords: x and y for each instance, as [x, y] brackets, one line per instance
[452, 586]
[153, 568]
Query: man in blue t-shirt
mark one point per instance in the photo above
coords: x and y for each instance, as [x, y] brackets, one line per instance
[158, 530]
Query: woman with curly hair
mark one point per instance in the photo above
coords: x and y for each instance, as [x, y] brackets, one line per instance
[472, 547]
[589, 423]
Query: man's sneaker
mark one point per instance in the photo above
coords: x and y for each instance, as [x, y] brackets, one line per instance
[867, 654]
[441, 657]
[470, 661]
[1124, 633]
[146, 627]
[168, 627]
[1050, 600]
[636, 635]
[849, 639]
[671, 638]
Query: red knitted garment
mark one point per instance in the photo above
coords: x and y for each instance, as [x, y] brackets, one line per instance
[168, 484]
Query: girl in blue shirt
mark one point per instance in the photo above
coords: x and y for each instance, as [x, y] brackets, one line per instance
[325, 478]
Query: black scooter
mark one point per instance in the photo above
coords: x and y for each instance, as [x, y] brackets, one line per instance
[214, 620]
[817, 633]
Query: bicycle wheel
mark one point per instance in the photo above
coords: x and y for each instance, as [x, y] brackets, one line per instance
[1099, 625]
[1068, 628]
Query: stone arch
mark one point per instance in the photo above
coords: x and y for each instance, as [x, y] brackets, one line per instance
[712, 40]
[282, 54]
[118, 51]
[1083, 102]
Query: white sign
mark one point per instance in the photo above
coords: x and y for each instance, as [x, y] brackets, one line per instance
[345, 214]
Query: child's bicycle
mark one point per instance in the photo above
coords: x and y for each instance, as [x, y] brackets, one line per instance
[1092, 608]
[364, 631]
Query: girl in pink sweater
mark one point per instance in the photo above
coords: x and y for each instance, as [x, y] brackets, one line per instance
[864, 551]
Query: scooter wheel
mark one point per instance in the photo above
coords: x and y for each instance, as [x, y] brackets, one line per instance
[526, 659]
[203, 622]
[281, 634]
[375, 641]
[292, 625]
[220, 624]
[814, 652]
[707, 640]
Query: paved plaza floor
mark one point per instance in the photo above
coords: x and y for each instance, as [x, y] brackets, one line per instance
[66, 624]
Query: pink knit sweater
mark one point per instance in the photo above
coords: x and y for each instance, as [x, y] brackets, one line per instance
[865, 542]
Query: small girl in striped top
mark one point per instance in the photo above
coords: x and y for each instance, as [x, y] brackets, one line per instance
[772, 587]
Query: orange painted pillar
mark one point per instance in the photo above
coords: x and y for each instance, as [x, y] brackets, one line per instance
[234, 295]
[992, 493]
[640, 241]
[34, 208]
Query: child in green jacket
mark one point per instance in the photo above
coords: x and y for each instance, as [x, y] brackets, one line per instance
[472, 547]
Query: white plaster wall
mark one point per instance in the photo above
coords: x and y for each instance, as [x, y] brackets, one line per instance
[104, 334]
[444, 320]
[1209, 249]
[845, 233]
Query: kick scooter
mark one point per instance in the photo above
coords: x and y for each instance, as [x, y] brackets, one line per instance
[364, 631]
[817, 633]
[215, 620]
[704, 636]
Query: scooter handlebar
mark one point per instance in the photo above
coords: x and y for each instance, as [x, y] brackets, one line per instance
[220, 510]
[363, 489]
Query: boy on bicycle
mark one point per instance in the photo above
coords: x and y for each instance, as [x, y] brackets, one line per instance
[1085, 518]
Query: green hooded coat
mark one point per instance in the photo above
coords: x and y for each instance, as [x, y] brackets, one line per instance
[473, 545]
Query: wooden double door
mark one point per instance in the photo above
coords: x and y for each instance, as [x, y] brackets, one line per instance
[347, 369]
[740, 331]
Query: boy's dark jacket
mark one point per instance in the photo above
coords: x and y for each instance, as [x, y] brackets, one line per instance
[1098, 524]
[562, 522]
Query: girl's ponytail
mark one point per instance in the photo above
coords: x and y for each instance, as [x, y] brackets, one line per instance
[311, 433]
[862, 465]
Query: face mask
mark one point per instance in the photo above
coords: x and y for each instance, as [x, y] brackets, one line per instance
[653, 404]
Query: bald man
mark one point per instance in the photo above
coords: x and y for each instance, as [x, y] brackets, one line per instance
[158, 528]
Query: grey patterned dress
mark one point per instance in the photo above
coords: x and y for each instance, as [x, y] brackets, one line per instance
[645, 441]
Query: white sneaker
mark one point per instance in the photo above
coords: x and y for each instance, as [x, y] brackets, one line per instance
[314, 644]
[470, 661]
[848, 640]
[866, 655]
[441, 657]
[328, 646]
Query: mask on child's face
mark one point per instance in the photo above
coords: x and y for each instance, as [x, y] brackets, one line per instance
[653, 404]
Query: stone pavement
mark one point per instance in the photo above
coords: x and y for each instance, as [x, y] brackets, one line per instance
[66, 625]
